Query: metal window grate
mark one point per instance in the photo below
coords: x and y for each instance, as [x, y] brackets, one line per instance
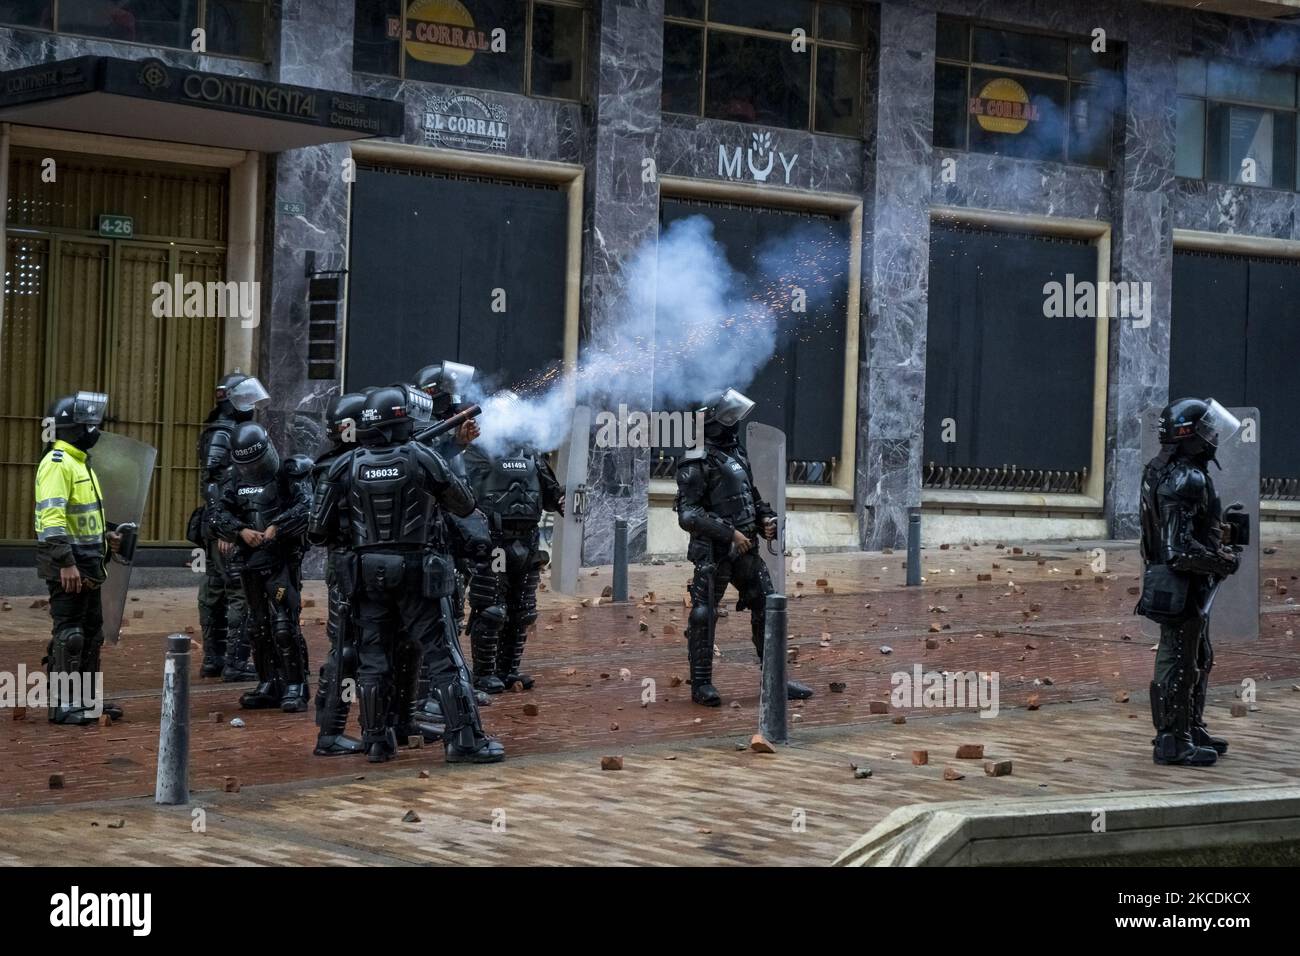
[1005, 478]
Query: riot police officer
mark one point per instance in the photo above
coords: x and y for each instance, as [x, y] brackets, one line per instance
[719, 507]
[469, 537]
[383, 501]
[264, 512]
[512, 491]
[1186, 558]
[73, 541]
[341, 419]
[221, 602]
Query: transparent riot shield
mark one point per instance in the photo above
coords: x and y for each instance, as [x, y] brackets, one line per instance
[566, 551]
[766, 448]
[124, 467]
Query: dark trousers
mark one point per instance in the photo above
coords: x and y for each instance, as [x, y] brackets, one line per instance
[274, 603]
[748, 574]
[82, 609]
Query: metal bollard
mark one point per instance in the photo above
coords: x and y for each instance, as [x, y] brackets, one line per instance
[173, 784]
[620, 560]
[772, 718]
[914, 549]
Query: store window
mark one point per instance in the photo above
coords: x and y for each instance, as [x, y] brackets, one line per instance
[1029, 95]
[1236, 124]
[534, 47]
[232, 27]
[736, 60]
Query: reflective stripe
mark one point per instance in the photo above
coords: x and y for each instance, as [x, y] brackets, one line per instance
[95, 539]
[79, 509]
[47, 533]
[51, 503]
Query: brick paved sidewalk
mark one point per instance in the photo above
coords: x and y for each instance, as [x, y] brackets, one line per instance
[697, 802]
[1049, 633]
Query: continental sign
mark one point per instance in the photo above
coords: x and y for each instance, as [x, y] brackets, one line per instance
[1002, 106]
[152, 79]
[439, 31]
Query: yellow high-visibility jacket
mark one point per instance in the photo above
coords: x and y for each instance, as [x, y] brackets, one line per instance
[69, 515]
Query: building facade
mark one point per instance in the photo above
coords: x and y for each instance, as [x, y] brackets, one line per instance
[1036, 221]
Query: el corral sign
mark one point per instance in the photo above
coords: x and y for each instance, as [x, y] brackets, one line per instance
[464, 121]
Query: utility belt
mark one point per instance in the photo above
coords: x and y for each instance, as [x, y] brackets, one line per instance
[512, 527]
[386, 572]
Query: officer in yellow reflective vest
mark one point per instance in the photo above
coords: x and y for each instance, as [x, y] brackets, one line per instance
[72, 546]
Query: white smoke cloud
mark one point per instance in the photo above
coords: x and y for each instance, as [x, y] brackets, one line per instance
[691, 327]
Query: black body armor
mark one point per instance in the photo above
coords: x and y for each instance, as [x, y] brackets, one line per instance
[285, 501]
[393, 495]
[1182, 546]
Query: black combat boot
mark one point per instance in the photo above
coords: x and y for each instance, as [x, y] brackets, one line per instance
[483, 647]
[464, 738]
[270, 686]
[1179, 750]
[1201, 735]
[238, 668]
[510, 655]
[1171, 712]
[699, 650]
[408, 717]
[292, 650]
[332, 714]
[215, 641]
[63, 668]
[377, 737]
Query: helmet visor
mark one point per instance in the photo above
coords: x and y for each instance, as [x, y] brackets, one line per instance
[88, 408]
[1217, 425]
[732, 408]
[248, 395]
[455, 378]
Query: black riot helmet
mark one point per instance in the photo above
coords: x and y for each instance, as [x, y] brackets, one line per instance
[77, 418]
[238, 396]
[1196, 426]
[255, 458]
[723, 414]
[444, 383]
[343, 414]
[395, 410]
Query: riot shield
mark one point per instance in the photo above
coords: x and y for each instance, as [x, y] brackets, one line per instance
[124, 467]
[566, 551]
[766, 448]
[1235, 617]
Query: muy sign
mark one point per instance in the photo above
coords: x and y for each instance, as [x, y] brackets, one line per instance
[760, 159]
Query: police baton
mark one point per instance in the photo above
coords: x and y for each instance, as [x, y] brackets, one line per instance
[449, 424]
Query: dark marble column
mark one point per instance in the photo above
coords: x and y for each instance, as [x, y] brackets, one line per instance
[305, 215]
[1142, 251]
[622, 212]
[896, 273]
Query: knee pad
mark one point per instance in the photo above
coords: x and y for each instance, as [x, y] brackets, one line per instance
[699, 616]
[348, 660]
[282, 630]
[66, 649]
